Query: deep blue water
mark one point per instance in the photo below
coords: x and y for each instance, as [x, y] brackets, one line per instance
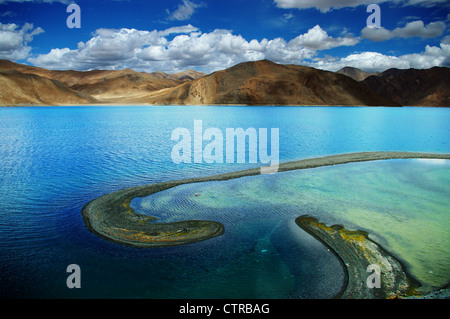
[54, 160]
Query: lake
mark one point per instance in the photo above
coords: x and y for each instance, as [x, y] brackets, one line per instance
[54, 160]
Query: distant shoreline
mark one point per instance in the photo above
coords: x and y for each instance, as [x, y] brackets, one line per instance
[212, 105]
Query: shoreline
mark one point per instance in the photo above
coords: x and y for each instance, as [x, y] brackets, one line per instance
[111, 217]
[242, 105]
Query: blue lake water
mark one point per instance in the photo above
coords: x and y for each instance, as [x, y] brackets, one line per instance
[54, 160]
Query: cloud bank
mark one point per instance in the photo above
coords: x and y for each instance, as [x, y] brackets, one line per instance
[327, 5]
[187, 47]
[412, 29]
[373, 61]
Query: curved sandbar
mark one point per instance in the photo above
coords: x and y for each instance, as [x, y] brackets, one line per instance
[112, 218]
[356, 252]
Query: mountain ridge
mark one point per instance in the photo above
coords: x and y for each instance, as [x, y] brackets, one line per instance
[249, 83]
[267, 83]
[107, 85]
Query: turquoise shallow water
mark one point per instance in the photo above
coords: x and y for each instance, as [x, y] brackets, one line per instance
[54, 160]
[402, 204]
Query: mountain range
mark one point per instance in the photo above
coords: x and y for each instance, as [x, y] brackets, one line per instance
[98, 86]
[249, 83]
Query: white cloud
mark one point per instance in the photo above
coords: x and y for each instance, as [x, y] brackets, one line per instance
[54, 57]
[318, 39]
[179, 48]
[376, 34]
[374, 61]
[182, 29]
[367, 61]
[184, 11]
[411, 29]
[322, 5]
[418, 29]
[14, 41]
[327, 5]
[287, 16]
[189, 48]
[432, 56]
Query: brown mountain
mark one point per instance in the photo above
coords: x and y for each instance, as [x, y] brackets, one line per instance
[187, 75]
[122, 85]
[30, 89]
[268, 83]
[250, 83]
[355, 73]
[413, 87]
[108, 86]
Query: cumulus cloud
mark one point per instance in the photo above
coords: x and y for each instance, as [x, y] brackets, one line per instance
[367, 61]
[187, 47]
[322, 5]
[376, 34]
[184, 11]
[327, 5]
[412, 29]
[14, 41]
[318, 39]
[183, 47]
[418, 29]
[374, 61]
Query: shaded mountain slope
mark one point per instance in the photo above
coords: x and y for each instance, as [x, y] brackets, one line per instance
[413, 87]
[268, 83]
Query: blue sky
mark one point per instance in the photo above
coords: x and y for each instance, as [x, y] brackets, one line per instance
[175, 35]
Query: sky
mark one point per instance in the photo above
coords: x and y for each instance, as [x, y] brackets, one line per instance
[175, 35]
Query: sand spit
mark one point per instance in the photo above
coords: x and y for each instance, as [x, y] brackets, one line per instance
[356, 253]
